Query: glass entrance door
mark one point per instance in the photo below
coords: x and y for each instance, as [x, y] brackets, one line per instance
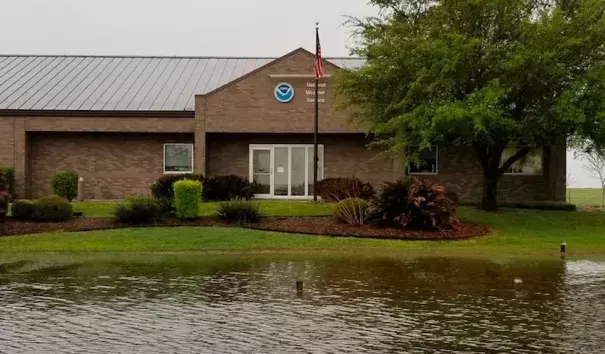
[284, 171]
[261, 170]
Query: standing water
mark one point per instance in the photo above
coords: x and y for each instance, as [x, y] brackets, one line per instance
[244, 304]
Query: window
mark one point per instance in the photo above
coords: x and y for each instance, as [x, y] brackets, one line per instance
[530, 164]
[178, 158]
[427, 163]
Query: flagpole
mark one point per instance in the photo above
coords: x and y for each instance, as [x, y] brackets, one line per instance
[316, 125]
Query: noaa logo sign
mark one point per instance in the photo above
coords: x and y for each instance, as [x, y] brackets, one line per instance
[284, 92]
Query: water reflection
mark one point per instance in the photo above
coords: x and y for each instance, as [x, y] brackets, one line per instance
[227, 304]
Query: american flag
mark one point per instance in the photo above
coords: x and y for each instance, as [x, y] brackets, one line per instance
[319, 66]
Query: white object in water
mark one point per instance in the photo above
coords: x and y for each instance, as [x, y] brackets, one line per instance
[518, 281]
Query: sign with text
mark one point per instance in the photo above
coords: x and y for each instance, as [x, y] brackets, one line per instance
[310, 92]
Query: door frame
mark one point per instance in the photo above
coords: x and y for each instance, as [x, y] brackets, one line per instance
[251, 169]
[271, 148]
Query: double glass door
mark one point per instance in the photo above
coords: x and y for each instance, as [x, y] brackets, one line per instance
[284, 171]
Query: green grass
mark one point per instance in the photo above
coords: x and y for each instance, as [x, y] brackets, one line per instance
[269, 208]
[516, 233]
[584, 196]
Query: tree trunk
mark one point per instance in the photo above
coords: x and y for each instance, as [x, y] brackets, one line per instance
[490, 194]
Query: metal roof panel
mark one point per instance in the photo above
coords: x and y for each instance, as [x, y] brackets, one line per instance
[7, 90]
[169, 86]
[95, 80]
[130, 83]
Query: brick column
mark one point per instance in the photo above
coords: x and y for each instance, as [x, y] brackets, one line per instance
[200, 135]
[21, 159]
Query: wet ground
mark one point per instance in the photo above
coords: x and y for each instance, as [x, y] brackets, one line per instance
[349, 304]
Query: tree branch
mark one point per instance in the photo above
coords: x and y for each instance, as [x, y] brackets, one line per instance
[512, 159]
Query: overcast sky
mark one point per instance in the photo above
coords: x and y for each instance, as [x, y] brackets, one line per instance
[187, 27]
[175, 27]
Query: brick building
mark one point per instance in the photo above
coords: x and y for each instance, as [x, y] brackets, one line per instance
[121, 122]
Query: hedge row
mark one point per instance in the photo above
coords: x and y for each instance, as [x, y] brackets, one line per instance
[216, 188]
[52, 208]
[536, 205]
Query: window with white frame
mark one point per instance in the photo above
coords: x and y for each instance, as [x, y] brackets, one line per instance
[427, 162]
[178, 158]
[530, 164]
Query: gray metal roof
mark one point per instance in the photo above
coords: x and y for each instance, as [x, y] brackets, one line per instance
[110, 83]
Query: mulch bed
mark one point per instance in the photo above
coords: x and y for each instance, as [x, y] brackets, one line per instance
[326, 226]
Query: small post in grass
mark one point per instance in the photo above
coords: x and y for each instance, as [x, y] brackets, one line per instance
[299, 287]
[80, 196]
[563, 249]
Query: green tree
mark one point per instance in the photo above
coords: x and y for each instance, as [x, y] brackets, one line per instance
[483, 74]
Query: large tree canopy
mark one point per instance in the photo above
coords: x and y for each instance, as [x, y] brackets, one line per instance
[485, 74]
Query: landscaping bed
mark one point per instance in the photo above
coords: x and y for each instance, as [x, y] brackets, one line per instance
[325, 226]
[328, 226]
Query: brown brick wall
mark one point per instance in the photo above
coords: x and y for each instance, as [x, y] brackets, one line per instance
[110, 124]
[345, 155]
[113, 165]
[460, 171]
[249, 105]
[7, 141]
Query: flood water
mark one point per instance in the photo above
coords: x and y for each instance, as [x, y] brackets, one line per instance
[350, 304]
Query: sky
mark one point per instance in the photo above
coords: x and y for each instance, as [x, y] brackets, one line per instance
[265, 28]
[175, 27]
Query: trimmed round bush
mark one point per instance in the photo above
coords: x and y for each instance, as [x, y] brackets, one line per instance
[339, 188]
[65, 185]
[352, 211]
[23, 210]
[52, 208]
[137, 210]
[164, 186]
[224, 188]
[187, 198]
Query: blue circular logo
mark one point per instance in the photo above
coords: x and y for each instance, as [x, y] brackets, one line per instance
[284, 92]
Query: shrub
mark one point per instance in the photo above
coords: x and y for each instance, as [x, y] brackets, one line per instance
[4, 196]
[187, 198]
[137, 210]
[23, 210]
[414, 203]
[336, 189]
[166, 205]
[351, 211]
[239, 211]
[453, 196]
[52, 208]
[65, 184]
[535, 205]
[4, 200]
[224, 188]
[9, 181]
[164, 186]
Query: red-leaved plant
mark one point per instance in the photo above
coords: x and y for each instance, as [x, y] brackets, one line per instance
[414, 203]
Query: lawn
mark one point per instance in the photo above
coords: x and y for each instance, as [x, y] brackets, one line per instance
[516, 233]
[269, 208]
[584, 196]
